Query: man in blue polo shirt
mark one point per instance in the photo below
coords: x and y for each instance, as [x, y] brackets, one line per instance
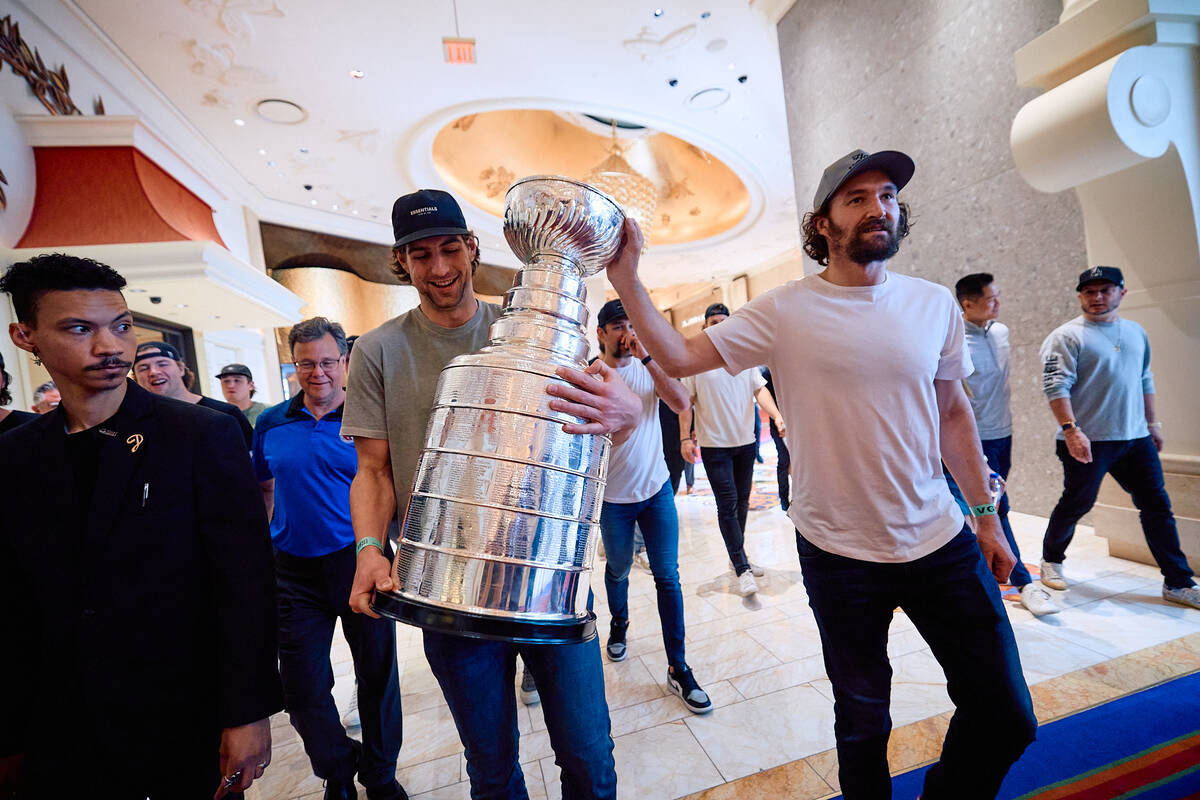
[305, 467]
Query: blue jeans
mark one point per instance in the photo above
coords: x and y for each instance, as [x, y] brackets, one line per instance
[660, 529]
[998, 453]
[952, 599]
[478, 677]
[731, 474]
[313, 593]
[1135, 466]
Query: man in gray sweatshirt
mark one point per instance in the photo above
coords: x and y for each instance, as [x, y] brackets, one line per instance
[1096, 374]
[989, 392]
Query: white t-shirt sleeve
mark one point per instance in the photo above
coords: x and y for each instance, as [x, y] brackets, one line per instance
[757, 381]
[954, 363]
[747, 338]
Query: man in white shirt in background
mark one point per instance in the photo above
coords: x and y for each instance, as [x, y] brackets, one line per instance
[987, 340]
[1096, 375]
[639, 492]
[724, 410]
[868, 366]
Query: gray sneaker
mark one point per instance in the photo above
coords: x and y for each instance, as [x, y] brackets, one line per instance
[529, 690]
[1052, 575]
[1187, 596]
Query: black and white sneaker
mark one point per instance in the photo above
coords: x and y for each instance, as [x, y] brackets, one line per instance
[683, 683]
[616, 640]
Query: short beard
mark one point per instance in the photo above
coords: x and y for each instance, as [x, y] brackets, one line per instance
[862, 251]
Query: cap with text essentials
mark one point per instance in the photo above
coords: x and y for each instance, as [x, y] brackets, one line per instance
[425, 213]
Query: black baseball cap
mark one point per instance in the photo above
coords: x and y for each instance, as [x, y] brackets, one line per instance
[425, 213]
[716, 308]
[896, 165]
[235, 369]
[611, 311]
[156, 350]
[1097, 274]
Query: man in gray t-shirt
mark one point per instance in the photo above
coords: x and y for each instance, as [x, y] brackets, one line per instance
[1096, 375]
[393, 378]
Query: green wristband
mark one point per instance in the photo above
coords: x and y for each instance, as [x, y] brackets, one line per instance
[985, 510]
[367, 541]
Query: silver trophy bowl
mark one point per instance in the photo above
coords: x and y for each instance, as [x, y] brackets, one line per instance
[500, 532]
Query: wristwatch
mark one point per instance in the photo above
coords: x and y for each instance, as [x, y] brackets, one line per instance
[1066, 426]
[647, 359]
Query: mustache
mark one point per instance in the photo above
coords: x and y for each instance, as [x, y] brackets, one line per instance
[111, 362]
[875, 225]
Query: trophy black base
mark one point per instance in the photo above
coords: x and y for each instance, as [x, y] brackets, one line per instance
[481, 626]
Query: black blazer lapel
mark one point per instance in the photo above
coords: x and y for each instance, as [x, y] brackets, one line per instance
[60, 498]
[129, 436]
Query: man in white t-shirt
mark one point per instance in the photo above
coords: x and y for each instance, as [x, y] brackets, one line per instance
[868, 365]
[724, 414]
[639, 493]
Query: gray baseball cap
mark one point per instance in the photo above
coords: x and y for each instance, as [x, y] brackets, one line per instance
[895, 164]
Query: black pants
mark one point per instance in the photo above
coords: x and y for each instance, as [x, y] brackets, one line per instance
[730, 472]
[672, 451]
[782, 467]
[313, 594]
[1135, 466]
[959, 613]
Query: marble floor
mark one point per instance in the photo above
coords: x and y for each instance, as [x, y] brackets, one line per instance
[771, 733]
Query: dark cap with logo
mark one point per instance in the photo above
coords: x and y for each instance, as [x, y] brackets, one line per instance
[893, 163]
[610, 312]
[716, 308]
[236, 369]
[1098, 274]
[156, 350]
[425, 213]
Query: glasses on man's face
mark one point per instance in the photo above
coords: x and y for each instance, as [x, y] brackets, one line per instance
[326, 364]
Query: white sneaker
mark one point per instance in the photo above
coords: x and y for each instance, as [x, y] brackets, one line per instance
[1187, 596]
[1052, 575]
[1037, 600]
[746, 584]
[755, 569]
[350, 719]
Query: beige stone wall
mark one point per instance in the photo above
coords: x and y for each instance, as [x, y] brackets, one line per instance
[935, 78]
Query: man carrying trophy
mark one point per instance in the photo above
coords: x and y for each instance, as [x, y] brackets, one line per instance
[390, 397]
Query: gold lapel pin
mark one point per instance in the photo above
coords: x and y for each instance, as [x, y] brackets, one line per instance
[136, 441]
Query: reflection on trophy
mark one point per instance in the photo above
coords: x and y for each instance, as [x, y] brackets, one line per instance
[500, 532]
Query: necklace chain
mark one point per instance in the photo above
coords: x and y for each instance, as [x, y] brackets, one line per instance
[1117, 344]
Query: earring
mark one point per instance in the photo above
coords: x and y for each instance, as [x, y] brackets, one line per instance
[36, 358]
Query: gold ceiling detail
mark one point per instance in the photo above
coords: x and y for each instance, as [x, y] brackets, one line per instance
[539, 142]
[632, 190]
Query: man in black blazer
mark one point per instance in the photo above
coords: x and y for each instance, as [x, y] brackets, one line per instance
[137, 604]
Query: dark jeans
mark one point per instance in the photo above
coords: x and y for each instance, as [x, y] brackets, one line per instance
[782, 467]
[998, 453]
[660, 530]
[477, 679]
[313, 594]
[730, 472]
[958, 611]
[1135, 466]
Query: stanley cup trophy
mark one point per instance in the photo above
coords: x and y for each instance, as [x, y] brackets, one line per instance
[500, 531]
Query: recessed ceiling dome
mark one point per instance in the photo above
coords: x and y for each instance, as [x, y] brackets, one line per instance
[481, 155]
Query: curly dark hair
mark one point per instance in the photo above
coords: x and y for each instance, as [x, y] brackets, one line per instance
[5, 380]
[400, 272]
[817, 248]
[27, 281]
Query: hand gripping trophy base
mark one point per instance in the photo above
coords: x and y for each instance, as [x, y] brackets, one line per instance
[500, 531]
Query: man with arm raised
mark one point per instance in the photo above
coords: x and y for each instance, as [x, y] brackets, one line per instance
[868, 364]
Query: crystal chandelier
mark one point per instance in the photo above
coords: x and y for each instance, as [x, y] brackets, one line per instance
[633, 191]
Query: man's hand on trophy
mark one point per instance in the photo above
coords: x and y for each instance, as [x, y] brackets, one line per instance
[623, 267]
[600, 397]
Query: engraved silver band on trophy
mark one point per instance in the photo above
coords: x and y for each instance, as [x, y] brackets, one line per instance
[500, 533]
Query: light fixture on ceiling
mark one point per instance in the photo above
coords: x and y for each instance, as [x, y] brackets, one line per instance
[270, 163]
[458, 49]
[705, 14]
[357, 73]
[281, 112]
[633, 191]
[181, 305]
[355, 212]
[239, 122]
[262, 151]
[707, 99]
[304, 150]
[658, 12]
[312, 202]
[334, 206]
